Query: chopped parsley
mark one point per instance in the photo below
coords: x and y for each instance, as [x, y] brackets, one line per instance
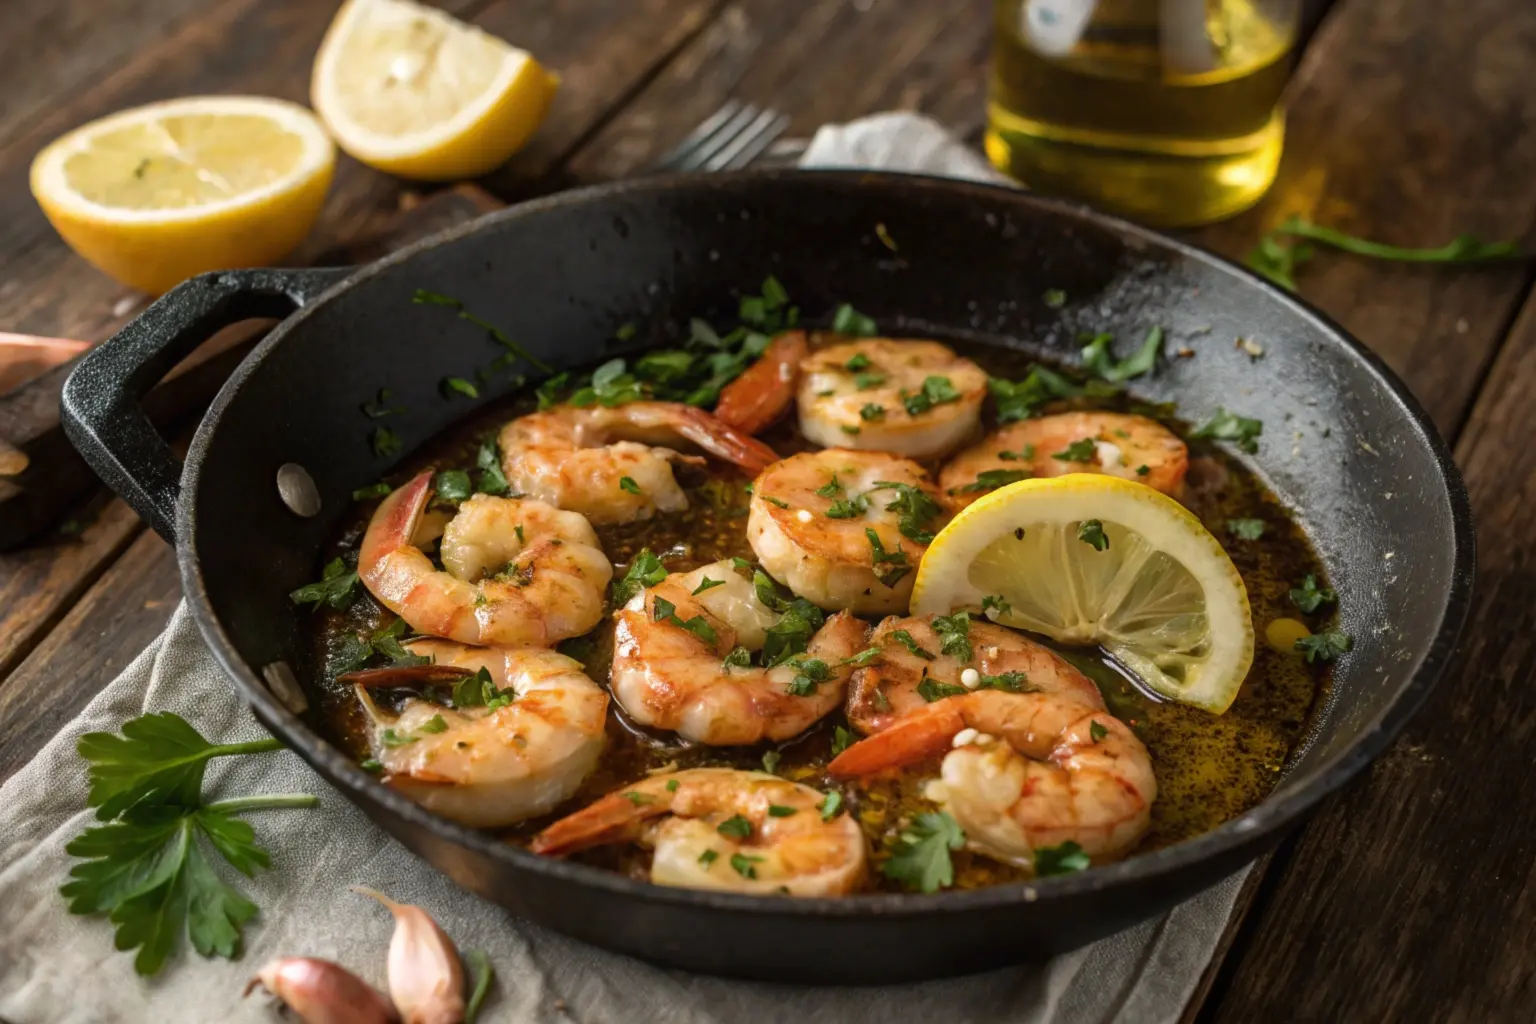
[707, 584]
[864, 657]
[995, 603]
[639, 799]
[860, 361]
[672, 785]
[384, 442]
[991, 480]
[1228, 426]
[895, 560]
[831, 803]
[433, 725]
[739, 657]
[379, 407]
[920, 859]
[1091, 532]
[842, 739]
[627, 484]
[708, 857]
[848, 508]
[935, 391]
[904, 638]
[1096, 732]
[488, 462]
[612, 385]
[452, 486]
[850, 321]
[663, 610]
[1008, 682]
[865, 381]
[871, 412]
[460, 385]
[1081, 450]
[427, 298]
[735, 827]
[1019, 400]
[954, 635]
[1246, 529]
[809, 672]
[1278, 254]
[1100, 361]
[479, 691]
[917, 509]
[1309, 597]
[775, 502]
[1065, 859]
[377, 490]
[930, 689]
[1054, 298]
[1325, 646]
[645, 571]
[1143, 469]
[337, 587]
[780, 811]
[1023, 454]
[771, 760]
[744, 865]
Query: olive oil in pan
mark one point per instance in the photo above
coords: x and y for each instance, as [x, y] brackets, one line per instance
[1166, 111]
[1210, 768]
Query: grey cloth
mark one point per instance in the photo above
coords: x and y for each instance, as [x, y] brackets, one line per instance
[55, 967]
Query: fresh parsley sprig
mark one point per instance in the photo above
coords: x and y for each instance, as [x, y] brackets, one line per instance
[920, 859]
[148, 868]
[1279, 252]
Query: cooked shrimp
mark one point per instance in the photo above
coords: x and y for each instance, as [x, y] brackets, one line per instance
[490, 767]
[751, 402]
[605, 463]
[913, 398]
[1116, 444]
[925, 658]
[670, 672]
[844, 529]
[516, 572]
[1027, 771]
[720, 828]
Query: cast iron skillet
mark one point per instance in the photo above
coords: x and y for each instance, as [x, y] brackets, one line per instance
[1344, 443]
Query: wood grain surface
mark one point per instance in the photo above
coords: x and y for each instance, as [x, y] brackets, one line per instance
[1409, 896]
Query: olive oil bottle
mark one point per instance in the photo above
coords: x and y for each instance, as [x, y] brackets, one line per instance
[1164, 111]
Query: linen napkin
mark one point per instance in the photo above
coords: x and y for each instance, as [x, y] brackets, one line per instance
[57, 968]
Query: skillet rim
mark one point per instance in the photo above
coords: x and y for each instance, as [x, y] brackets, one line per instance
[1265, 820]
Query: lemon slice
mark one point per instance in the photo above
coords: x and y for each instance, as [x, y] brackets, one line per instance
[411, 91]
[1163, 598]
[156, 194]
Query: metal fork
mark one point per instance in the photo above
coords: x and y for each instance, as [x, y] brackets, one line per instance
[727, 140]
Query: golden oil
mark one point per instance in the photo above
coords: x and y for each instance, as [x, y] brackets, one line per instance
[1164, 111]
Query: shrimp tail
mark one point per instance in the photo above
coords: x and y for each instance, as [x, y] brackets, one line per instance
[404, 675]
[907, 741]
[394, 523]
[602, 821]
[752, 401]
[724, 441]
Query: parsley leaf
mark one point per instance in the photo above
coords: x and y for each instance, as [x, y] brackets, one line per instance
[380, 407]
[552, 391]
[831, 803]
[739, 657]
[452, 486]
[792, 633]
[707, 584]
[860, 361]
[811, 671]
[904, 638]
[1009, 682]
[481, 974]
[708, 857]
[897, 560]
[1309, 597]
[384, 442]
[742, 864]
[735, 827]
[864, 657]
[935, 391]
[1246, 529]
[337, 587]
[1228, 426]
[488, 461]
[930, 689]
[1099, 360]
[378, 490]
[1054, 298]
[991, 480]
[1325, 646]
[954, 635]
[920, 859]
[1060, 860]
[1096, 732]
[628, 485]
[995, 603]
[865, 381]
[611, 386]
[871, 412]
[645, 571]
[850, 321]
[781, 811]
[848, 508]
[771, 759]
[1277, 256]
[459, 384]
[1091, 532]
[1081, 450]
[842, 739]
[1018, 400]
[917, 507]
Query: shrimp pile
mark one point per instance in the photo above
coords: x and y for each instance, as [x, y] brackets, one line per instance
[482, 721]
[1034, 759]
[719, 828]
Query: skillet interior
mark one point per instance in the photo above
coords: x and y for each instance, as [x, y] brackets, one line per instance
[1375, 489]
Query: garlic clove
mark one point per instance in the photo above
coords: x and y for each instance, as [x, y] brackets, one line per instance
[321, 992]
[426, 979]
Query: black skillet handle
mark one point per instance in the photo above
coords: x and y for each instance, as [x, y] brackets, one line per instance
[100, 405]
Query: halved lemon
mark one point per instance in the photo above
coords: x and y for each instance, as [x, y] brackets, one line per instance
[1161, 595]
[156, 194]
[411, 91]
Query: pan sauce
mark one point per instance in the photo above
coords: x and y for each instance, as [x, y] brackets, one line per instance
[1209, 768]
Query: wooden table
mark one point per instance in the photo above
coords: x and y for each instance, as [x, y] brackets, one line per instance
[1410, 896]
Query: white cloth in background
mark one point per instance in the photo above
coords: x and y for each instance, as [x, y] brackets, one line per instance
[57, 968]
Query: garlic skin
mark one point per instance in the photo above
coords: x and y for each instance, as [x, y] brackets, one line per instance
[321, 992]
[426, 978]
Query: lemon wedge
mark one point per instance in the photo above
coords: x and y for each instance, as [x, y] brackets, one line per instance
[156, 194]
[1087, 558]
[411, 91]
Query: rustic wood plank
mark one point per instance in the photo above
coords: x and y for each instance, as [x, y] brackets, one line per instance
[1415, 889]
[125, 609]
[1411, 127]
[818, 62]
